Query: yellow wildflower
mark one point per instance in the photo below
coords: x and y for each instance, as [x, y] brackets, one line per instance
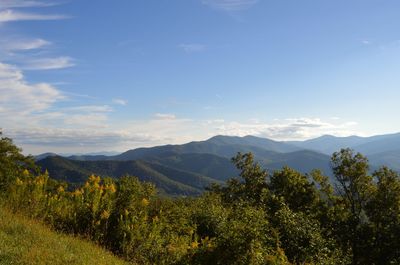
[92, 178]
[145, 202]
[105, 214]
[19, 182]
[60, 189]
[194, 245]
[25, 172]
[78, 192]
[112, 188]
[39, 180]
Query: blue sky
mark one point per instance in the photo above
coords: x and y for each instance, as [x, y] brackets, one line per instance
[85, 76]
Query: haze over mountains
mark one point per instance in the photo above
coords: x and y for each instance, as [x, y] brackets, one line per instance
[188, 168]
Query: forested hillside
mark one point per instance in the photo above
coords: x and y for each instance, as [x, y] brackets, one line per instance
[169, 180]
[260, 217]
[187, 169]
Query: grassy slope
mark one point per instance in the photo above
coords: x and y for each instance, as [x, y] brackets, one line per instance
[24, 241]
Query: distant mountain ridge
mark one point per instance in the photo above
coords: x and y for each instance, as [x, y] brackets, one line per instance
[328, 144]
[188, 168]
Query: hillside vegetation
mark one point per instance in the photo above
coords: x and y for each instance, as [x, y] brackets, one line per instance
[258, 218]
[27, 242]
[185, 170]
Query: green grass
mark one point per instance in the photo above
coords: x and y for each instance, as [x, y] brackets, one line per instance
[25, 241]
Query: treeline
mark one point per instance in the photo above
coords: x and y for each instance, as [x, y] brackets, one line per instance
[284, 217]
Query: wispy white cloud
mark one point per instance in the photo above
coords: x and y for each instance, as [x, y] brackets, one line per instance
[77, 95]
[181, 130]
[64, 140]
[31, 112]
[90, 120]
[288, 129]
[5, 4]
[23, 44]
[25, 105]
[49, 63]
[230, 5]
[165, 116]
[92, 131]
[91, 136]
[91, 108]
[10, 15]
[192, 47]
[19, 98]
[119, 101]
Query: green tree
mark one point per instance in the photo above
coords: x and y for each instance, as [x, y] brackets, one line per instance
[252, 186]
[12, 162]
[292, 207]
[355, 188]
[299, 210]
[295, 189]
[383, 211]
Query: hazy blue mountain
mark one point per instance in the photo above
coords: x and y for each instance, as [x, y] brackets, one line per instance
[89, 157]
[379, 144]
[186, 169]
[224, 146]
[228, 146]
[44, 155]
[329, 144]
[264, 143]
[388, 158]
[103, 153]
[380, 149]
[219, 168]
[304, 161]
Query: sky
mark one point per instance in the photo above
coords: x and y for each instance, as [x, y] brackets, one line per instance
[83, 76]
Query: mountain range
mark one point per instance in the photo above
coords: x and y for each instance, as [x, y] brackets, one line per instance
[188, 168]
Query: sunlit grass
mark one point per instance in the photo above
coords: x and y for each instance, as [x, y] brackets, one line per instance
[25, 241]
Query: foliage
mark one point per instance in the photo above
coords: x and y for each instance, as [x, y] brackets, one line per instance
[28, 242]
[12, 162]
[284, 217]
[383, 210]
